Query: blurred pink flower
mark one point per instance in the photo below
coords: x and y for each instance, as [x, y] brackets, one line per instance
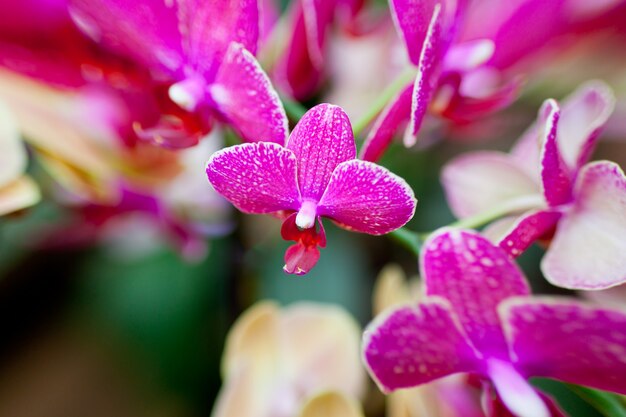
[546, 178]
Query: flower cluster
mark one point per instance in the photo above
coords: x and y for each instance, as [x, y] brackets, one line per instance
[110, 110]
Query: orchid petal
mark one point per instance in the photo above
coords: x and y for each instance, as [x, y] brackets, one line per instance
[255, 177]
[317, 14]
[19, 194]
[555, 175]
[12, 153]
[474, 276]
[584, 114]
[477, 182]
[409, 346]
[321, 140]
[245, 96]
[468, 55]
[397, 111]
[300, 259]
[243, 394]
[367, 198]
[427, 74]
[209, 26]
[322, 342]
[144, 30]
[527, 229]
[568, 340]
[515, 392]
[594, 226]
[414, 19]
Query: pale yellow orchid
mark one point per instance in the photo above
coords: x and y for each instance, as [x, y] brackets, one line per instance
[302, 360]
[17, 190]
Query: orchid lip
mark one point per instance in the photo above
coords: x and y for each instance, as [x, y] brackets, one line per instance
[188, 93]
[305, 219]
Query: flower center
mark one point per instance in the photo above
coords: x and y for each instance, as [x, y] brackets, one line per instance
[306, 215]
[188, 93]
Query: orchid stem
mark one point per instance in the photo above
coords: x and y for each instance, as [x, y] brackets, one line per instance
[294, 110]
[409, 239]
[390, 92]
[509, 207]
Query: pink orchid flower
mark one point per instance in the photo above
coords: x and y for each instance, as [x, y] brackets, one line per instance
[201, 53]
[17, 190]
[478, 317]
[316, 175]
[546, 179]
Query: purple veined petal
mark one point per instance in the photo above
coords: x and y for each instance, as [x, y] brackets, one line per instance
[397, 111]
[144, 30]
[209, 26]
[515, 391]
[367, 198]
[527, 229]
[478, 181]
[584, 114]
[412, 19]
[245, 97]
[409, 346]
[255, 177]
[321, 140]
[428, 68]
[474, 276]
[568, 340]
[595, 226]
[556, 177]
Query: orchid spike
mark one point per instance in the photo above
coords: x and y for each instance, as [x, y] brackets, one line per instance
[478, 317]
[545, 178]
[316, 175]
[203, 51]
[17, 190]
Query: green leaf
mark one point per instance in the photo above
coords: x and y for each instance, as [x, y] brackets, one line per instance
[607, 403]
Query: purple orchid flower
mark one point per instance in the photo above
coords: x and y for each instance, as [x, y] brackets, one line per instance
[316, 175]
[452, 79]
[201, 52]
[478, 317]
[545, 178]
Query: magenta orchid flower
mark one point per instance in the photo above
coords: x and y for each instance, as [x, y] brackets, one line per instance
[478, 317]
[316, 175]
[201, 53]
[546, 179]
[452, 79]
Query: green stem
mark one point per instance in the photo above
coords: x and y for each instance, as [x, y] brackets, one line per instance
[509, 207]
[390, 92]
[606, 403]
[410, 240]
[294, 110]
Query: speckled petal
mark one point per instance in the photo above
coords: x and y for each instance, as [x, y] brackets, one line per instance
[410, 346]
[209, 26]
[568, 340]
[255, 177]
[427, 74]
[478, 181]
[474, 276]
[527, 229]
[144, 30]
[397, 112]
[367, 198]
[245, 96]
[556, 177]
[321, 140]
[594, 226]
